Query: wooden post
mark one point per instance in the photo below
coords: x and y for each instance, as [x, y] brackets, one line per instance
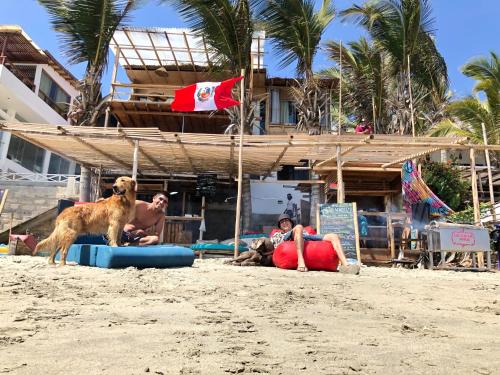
[183, 203]
[340, 179]
[136, 160]
[374, 116]
[356, 231]
[475, 200]
[240, 172]
[202, 222]
[339, 131]
[490, 177]
[411, 99]
[112, 88]
[390, 228]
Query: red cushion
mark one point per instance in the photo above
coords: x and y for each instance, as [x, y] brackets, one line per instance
[318, 255]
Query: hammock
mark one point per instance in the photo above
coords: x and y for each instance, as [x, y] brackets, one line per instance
[415, 191]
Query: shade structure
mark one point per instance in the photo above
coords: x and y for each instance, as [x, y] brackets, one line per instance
[164, 153]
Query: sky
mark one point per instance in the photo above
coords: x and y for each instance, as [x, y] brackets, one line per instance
[463, 29]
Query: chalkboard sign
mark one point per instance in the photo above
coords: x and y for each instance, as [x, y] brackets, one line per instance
[341, 219]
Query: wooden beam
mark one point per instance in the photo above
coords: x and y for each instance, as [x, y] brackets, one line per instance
[184, 152]
[412, 156]
[95, 149]
[173, 114]
[280, 156]
[346, 151]
[138, 55]
[173, 55]
[189, 51]
[358, 169]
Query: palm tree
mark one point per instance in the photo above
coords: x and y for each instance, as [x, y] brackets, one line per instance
[467, 115]
[227, 27]
[364, 80]
[296, 30]
[85, 30]
[402, 29]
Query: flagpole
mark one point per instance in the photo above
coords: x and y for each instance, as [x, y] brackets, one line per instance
[240, 172]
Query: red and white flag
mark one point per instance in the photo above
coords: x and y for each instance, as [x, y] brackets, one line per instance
[205, 96]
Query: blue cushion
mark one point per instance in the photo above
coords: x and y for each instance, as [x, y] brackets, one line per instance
[91, 239]
[143, 257]
[217, 246]
[84, 255]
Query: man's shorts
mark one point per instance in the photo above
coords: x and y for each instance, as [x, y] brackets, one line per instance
[130, 237]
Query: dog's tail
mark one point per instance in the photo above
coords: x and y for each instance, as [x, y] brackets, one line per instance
[47, 243]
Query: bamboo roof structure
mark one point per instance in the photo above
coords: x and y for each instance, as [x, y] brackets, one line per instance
[175, 47]
[165, 153]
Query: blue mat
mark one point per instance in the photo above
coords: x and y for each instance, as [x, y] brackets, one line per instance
[103, 256]
[217, 246]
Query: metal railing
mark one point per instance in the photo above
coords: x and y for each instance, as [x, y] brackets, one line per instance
[56, 178]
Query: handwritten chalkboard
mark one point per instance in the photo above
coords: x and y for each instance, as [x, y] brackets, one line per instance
[341, 219]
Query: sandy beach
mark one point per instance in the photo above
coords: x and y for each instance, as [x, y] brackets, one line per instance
[218, 319]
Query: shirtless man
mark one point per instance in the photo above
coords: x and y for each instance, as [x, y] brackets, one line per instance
[146, 216]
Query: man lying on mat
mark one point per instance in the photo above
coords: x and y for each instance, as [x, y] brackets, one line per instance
[147, 215]
[291, 232]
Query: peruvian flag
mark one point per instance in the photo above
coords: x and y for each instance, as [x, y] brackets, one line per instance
[205, 96]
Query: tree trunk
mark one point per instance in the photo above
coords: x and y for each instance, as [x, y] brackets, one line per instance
[85, 179]
[246, 203]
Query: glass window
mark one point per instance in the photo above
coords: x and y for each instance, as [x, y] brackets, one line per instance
[52, 94]
[288, 112]
[25, 153]
[58, 165]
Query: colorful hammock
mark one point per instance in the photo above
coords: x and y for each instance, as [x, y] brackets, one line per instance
[415, 191]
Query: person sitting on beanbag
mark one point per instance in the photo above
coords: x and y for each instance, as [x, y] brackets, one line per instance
[288, 231]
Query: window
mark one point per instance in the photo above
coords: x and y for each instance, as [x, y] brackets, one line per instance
[288, 112]
[52, 94]
[27, 154]
[58, 165]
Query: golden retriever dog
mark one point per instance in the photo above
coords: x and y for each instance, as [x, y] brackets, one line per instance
[107, 216]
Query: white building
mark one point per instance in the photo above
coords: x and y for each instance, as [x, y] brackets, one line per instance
[34, 88]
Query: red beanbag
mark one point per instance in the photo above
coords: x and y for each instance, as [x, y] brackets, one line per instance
[318, 255]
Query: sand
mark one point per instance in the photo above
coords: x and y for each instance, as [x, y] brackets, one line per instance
[218, 319]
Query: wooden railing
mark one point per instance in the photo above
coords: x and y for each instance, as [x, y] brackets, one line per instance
[56, 178]
[18, 73]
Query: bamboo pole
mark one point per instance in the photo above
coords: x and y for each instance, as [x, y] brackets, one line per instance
[339, 130]
[240, 172]
[490, 177]
[411, 99]
[136, 160]
[475, 200]
[340, 179]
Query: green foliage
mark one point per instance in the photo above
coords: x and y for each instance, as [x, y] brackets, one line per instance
[445, 181]
[465, 116]
[466, 216]
[377, 71]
